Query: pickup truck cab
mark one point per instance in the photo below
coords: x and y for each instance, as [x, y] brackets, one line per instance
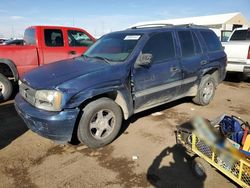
[43, 45]
[123, 73]
[238, 52]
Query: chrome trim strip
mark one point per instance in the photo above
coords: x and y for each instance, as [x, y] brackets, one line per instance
[165, 86]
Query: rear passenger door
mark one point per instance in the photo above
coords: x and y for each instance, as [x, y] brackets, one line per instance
[191, 59]
[216, 57]
[161, 80]
[54, 47]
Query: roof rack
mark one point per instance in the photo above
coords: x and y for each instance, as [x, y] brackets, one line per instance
[154, 25]
[151, 25]
[191, 25]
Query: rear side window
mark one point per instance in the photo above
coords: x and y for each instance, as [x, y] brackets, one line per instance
[187, 43]
[161, 46]
[241, 35]
[30, 36]
[211, 40]
[53, 37]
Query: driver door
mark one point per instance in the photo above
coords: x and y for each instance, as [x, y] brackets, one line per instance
[78, 42]
[160, 81]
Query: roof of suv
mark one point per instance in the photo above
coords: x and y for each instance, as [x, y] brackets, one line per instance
[151, 29]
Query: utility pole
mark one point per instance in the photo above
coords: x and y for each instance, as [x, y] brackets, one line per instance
[12, 31]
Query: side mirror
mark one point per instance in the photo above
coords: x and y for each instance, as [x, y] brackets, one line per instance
[144, 60]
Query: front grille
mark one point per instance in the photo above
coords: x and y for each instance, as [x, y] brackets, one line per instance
[27, 93]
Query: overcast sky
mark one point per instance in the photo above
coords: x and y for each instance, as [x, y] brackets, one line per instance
[102, 16]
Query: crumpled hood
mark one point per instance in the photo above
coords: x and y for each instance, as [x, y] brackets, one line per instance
[51, 75]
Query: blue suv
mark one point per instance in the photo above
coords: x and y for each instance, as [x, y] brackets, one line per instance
[123, 73]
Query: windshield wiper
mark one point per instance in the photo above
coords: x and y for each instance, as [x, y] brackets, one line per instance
[102, 58]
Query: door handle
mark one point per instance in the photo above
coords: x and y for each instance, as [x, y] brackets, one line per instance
[174, 69]
[72, 52]
[204, 62]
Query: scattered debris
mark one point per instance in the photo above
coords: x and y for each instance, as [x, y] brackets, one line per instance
[134, 157]
[81, 148]
[157, 114]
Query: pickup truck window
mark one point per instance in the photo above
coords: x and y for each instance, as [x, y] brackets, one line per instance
[79, 38]
[114, 47]
[241, 35]
[211, 40]
[53, 37]
[161, 46]
[30, 36]
[187, 43]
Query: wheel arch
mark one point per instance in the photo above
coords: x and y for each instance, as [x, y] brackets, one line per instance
[8, 68]
[214, 73]
[117, 96]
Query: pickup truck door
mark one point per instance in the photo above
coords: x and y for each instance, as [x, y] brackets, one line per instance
[78, 41]
[54, 46]
[191, 60]
[161, 80]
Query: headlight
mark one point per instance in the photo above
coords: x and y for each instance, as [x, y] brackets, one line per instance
[49, 100]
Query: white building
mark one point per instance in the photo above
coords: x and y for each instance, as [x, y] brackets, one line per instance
[222, 24]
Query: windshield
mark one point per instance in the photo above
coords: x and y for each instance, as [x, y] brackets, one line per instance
[114, 47]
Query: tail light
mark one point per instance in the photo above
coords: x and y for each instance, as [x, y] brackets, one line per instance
[248, 56]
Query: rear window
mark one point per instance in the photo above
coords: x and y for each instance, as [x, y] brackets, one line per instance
[241, 35]
[211, 40]
[30, 36]
[187, 43]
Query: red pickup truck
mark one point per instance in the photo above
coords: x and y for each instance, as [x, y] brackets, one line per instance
[43, 45]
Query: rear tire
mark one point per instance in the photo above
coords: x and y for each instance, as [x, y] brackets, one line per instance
[206, 91]
[6, 88]
[100, 123]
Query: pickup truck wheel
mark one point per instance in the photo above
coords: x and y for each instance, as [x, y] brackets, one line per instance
[5, 88]
[100, 123]
[206, 91]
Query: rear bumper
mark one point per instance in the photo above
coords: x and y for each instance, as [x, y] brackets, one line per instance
[239, 67]
[56, 126]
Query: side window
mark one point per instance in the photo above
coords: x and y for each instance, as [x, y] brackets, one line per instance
[78, 38]
[161, 46]
[197, 44]
[53, 37]
[30, 36]
[211, 40]
[187, 43]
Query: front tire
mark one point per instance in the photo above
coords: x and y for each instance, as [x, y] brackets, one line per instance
[100, 123]
[206, 91]
[6, 88]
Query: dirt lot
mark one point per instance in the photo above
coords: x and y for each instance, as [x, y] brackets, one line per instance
[28, 160]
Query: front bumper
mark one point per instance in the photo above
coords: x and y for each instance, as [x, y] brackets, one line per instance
[56, 126]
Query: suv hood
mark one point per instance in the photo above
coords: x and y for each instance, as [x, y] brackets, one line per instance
[52, 75]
